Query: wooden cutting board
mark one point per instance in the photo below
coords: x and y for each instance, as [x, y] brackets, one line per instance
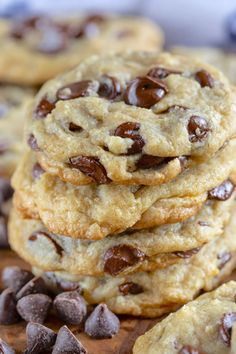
[122, 343]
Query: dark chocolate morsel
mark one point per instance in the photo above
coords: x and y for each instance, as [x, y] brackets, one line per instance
[40, 339]
[130, 130]
[130, 288]
[74, 90]
[204, 78]
[32, 142]
[225, 327]
[67, 343]
[8, 312]
[187, 254]
[15, 278]
[224, 258]
[149, 161]
[34, 307]
[37, 171]
[39, 233]
[161, 73]
[44, 108]
[5, 348]
[223, 191]
[198, 129]
[34, 286]
[6, 190]
[109, 87]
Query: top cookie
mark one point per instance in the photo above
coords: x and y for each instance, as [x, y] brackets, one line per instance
[130, 118]
[36, 49]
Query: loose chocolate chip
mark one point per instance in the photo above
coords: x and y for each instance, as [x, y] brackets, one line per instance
[44, 108]
[3, 231]
[90, 166]
[8, 312]
[34, 307]
[32, 142]
[40, 339]
[102, 323]
[74, 128]
[120, 257]
[198, 129]
[37, 171]
[74, 90]
[5, 348]
[161, 73]
[130, 288]
[109, 87]
[225, 327]
[223, 191]
[187, 254]
[70, 307]
[130, 130]
[174, 108]
[6, 190]
[67, 343]
[36, 234]
[34, 286]
[149, 161]
[145, 92]
[15, 278]
[204, 78]
[188, 349]
[224, 258]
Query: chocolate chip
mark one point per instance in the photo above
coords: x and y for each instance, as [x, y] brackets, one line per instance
[109, 87]
[90, 166]
[88, 29]
[67, 343]
[188, 349]
[32, 142]
[37, 171]
[224, 258]
[75, 128]
[145, 92]
[74, 90]
[174, 108]
[120, 257]
[161, 73]
[203, 223]
[198, 129]
[62, 285]
[15, 278]
[3, 231]
[40, 339]
[59, 250]
[52, 40]
[130, 288]
[5, 348]
[20, 28]
[6, 190]
[8, 312]
[204, 78]
[34, 307]
[34, 286]
[223, 191]
[149, 161]
[102, 323]
[225, 327]
[187, 254]
[130, 130]
[44, 108]
[70, 307]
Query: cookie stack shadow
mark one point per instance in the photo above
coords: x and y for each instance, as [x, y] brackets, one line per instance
[127, 190]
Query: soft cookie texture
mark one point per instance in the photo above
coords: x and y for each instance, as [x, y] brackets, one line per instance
[95, 211]
[38, 48]
[131, 118]
[205, 325]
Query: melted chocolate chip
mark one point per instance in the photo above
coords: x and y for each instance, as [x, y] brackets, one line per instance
[34, 308]
[74, 128]
[223, 191]
[40, 339]
[74, 90]
[88, 29]
[225, 327]
[204, 78]
[161, 73]
[102, 323]
[36, 234]
[188, 349]
[44, 108]
[130, 130]
[5, 348]
[145, 92]
[130, 288]
[120, 257]
[52, 40]
[187, 254]
[109, 87]
[32, 142]
[34, 286]
[149, 161]
[37, 171]
[15, 278]
[8, 312]
[70, 307]
[90, 166]
[224, 258]
[198, 129]
[67, 343]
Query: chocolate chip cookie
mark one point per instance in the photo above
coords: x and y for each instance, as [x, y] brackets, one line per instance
[95, 211]
[131, 118]
[153, 293]
[206, 325]
[38, 48]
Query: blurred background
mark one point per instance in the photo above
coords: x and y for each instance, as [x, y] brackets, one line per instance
[191, 22]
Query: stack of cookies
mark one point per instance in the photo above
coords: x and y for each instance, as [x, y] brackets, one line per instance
[127, 190]
[36, 49]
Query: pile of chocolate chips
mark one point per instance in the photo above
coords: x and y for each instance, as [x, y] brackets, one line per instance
[27, 297]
